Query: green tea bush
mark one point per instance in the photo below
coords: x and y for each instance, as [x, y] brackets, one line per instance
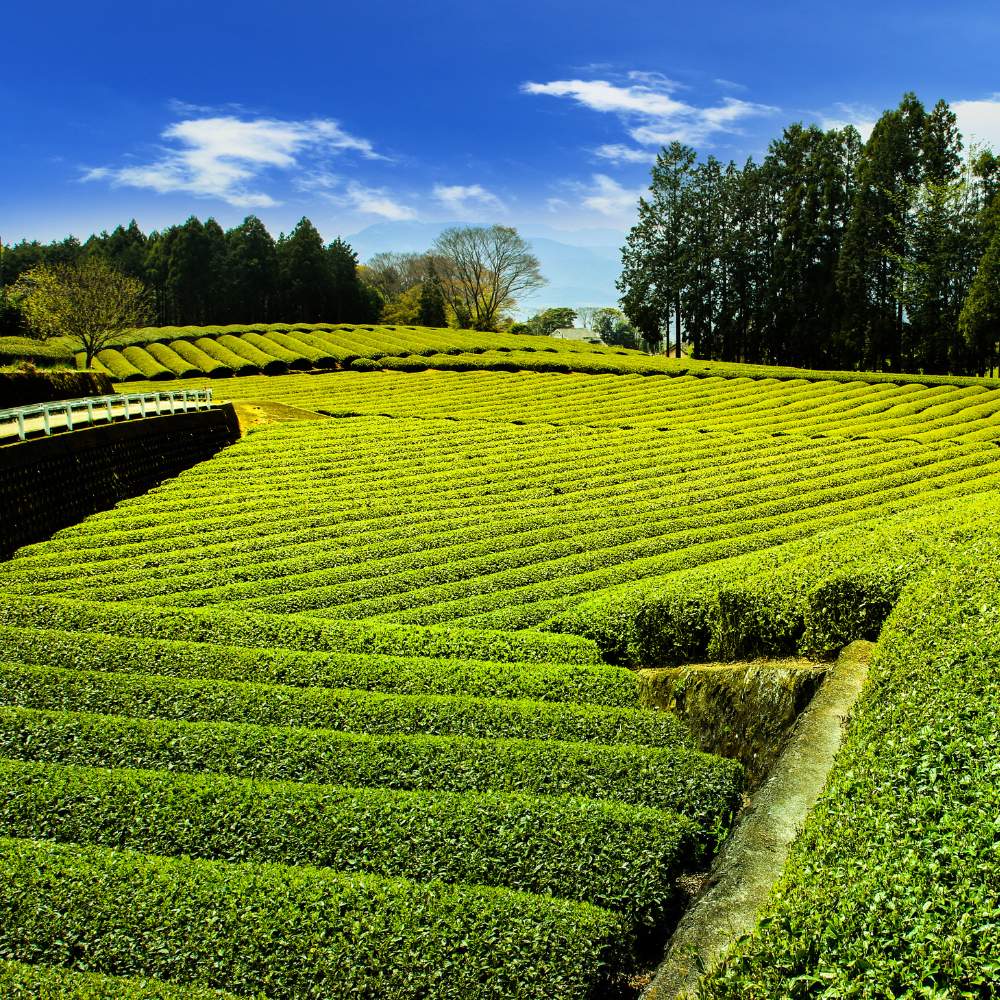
[597, 684]
[675, 779]
[295, 932]
[19, 981]
[623, 858]
[295, 632]
[150, 696]
[892, 889]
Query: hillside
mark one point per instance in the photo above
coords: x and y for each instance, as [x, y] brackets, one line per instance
[368, 676]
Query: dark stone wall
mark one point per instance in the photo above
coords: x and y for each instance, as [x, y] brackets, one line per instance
[50, 483]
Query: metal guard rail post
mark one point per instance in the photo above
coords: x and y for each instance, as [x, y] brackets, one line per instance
[77, 413]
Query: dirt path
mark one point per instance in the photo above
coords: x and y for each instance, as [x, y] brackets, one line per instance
[755, 854]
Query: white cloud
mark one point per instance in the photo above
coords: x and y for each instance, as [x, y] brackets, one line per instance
[375, 201]
[600, 95]
[224, 156]
[606, 196]
[652, 115]
[979, 121]
[620, 153]
[861, 116]
[467, 199]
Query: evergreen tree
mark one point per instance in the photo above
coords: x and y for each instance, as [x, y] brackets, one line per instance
[192, 270]
[251, 273]
[869, 267]
[305, 275]
[979, 319]
[347, 301]
[654, 258]
[431, 311]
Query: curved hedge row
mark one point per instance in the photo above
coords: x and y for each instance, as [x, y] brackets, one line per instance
[810, 597]
[619, 857]
[232, 926]
[598, 684]
[20, 981]
[674, 779]
[893, 888]
[293, 632]
[150, 696]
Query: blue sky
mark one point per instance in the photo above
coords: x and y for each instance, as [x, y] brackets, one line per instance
[531, 114]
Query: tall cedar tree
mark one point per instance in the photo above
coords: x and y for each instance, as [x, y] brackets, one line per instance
[655, 258]
[431, 311]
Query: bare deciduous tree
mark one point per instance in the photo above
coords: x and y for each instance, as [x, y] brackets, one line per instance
[89, 302]
[483, 271]
[395, 273]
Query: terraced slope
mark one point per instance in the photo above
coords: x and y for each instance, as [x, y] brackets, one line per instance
[164, 353]
[348, 684]
[931, 414]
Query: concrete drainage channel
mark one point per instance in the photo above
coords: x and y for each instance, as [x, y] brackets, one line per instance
[721, 703]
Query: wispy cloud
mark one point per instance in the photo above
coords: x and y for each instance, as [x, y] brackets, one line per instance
[468, 200]
[620, 153]
[979, 121]
[861, 116]
[650, 111]
[609, 198]
[377, 201]
[226, 157]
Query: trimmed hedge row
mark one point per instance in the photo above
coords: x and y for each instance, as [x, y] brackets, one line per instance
[20, 981]
[598, 684]
[293, 632]
[766, 407]
[675, 779]
[620, 857]
[295, 932]
[893, 888]
[810, 597]
[149, 696]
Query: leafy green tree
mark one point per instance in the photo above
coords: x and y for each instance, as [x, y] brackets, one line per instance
[89, 302]
[615, 328]
[546, 322]
[404, 309]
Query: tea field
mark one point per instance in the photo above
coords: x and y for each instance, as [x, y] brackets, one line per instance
[349, 710]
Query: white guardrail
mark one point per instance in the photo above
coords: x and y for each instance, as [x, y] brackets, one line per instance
[70, 414]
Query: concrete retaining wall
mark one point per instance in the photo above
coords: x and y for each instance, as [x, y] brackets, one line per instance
[50, 483]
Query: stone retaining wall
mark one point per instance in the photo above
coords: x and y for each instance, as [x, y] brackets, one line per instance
[50, 483]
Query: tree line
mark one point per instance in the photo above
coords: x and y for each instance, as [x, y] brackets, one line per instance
[830, 253]
[199, 274]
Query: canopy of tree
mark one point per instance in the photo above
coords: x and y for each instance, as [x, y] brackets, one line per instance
[546, 322]
[198, 274]
[831, 253]
[483, 271]
[88, 301]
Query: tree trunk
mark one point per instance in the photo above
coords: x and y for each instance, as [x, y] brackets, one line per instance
[677, 326]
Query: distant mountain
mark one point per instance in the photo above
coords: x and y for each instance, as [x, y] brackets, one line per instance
[580, 267]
